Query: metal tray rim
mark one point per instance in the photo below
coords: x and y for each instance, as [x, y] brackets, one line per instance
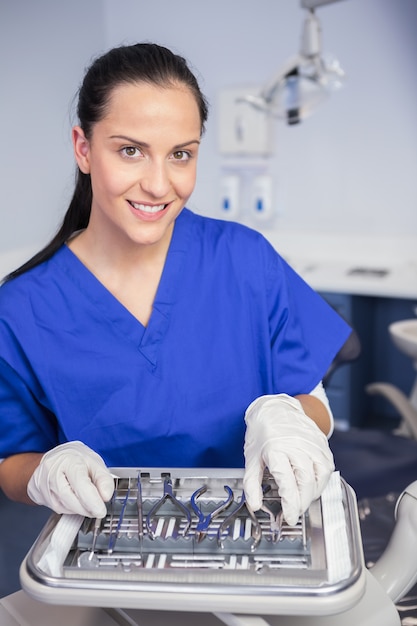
[46, 584]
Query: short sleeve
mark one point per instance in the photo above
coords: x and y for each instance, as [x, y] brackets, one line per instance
[25, 426]
[306, 333]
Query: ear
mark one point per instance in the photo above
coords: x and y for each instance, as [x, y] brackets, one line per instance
[81, 149]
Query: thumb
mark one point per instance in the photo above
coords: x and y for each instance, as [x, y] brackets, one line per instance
[104, 482]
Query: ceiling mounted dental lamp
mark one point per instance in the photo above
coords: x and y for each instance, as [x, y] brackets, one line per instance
[305, 80]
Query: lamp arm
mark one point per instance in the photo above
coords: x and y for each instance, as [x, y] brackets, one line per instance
[313, 4]
[269, 90]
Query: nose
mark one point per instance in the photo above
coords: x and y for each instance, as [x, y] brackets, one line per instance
[155, 180]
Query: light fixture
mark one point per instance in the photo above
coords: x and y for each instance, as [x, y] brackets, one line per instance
[305, 80]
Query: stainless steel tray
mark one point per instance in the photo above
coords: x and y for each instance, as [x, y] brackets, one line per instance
[137, 559]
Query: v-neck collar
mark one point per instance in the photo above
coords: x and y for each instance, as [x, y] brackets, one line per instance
[167, 291]
[146, 338]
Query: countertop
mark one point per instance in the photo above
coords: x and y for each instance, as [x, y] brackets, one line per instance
[329, 262]
[353, 264]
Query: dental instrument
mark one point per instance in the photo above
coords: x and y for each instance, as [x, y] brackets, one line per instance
[205, 519]
[168, 495]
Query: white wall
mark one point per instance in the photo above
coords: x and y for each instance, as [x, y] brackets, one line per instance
[350, 168]
[44, 47]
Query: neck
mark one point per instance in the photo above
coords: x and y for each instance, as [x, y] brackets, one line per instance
[97, 250]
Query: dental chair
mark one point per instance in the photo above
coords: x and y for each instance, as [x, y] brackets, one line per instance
[403, 334]
[375, 461]
[348, 353]
[408, 413]
[379, 465]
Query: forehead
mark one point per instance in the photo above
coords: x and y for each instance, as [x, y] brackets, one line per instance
[148, 104]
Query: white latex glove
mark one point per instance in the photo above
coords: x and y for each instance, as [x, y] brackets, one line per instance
[72, 478]
[281, 437]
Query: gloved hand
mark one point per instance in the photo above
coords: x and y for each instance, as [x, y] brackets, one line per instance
[72, 478]
[280, 436]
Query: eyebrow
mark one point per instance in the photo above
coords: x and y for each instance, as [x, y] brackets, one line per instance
[146, 145]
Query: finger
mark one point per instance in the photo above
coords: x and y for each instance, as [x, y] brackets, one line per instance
[90, 498]
[104, 483]
[323, 471]
[282, 472]
[65, 500]
[305, 478]
[77, 487]
[252, 484]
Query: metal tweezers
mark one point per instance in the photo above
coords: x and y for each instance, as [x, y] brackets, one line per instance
[115, 533]
[204, 520]
[275, 521]
[168, 495]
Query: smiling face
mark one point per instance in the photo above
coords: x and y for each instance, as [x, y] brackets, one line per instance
[142, 158]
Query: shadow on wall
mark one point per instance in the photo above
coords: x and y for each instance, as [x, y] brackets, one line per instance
[20, 524]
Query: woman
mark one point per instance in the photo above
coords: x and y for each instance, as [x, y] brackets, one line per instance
[145, 335]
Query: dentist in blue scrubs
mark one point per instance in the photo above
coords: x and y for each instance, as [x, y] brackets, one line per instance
[144, 334]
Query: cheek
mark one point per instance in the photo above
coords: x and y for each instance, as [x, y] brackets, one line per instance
[109, 180]
[186, 182]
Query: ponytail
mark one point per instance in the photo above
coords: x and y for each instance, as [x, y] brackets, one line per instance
[76, 218]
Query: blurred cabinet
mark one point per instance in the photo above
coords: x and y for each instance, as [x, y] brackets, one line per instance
[379, 360]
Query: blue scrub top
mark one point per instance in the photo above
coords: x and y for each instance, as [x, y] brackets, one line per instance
[231, 321]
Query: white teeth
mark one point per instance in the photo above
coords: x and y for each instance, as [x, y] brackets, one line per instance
[146, 208]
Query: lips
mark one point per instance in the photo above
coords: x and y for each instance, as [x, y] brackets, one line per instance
[147, 208]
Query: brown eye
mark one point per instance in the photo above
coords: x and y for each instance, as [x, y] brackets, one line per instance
[130, 151]
[181, 155]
